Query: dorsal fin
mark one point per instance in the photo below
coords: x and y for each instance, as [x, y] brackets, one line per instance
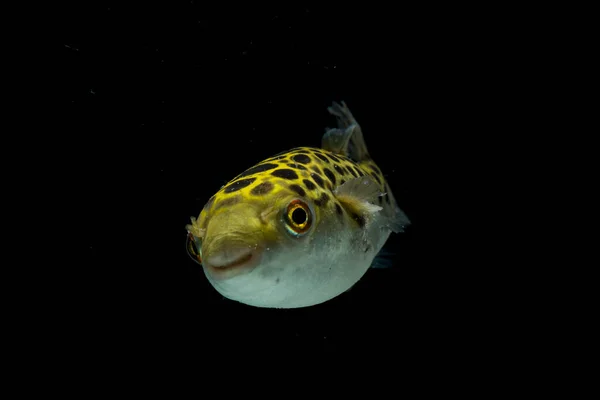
[347, 139]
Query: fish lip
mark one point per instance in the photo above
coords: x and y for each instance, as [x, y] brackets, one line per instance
[243, 265]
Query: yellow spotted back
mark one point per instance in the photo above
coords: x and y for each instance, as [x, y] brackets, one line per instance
[312, 173]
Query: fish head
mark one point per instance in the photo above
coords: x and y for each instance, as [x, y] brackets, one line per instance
[267, 251]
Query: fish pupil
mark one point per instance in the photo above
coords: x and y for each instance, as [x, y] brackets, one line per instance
[299, 216]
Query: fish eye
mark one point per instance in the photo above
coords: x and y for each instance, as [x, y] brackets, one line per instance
[298, 217]
[192, 245]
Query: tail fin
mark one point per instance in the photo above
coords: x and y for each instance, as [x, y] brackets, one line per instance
[347, 139]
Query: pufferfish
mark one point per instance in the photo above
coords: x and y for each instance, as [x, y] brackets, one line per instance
[301, 227]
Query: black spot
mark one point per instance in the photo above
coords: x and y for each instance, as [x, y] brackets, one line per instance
[387, 199]
[368, 247]
[315, 168]
[301, 158]
[349, 168]
[380, 199]
[317, 178]
[374, 175]
[359, 219]
[309, 185]
[285, 174]
[342, 181]
[322, 200]
[338, 209]
[359, 172]
[339, 169]
[329, 175]
[377, 170]
[298, 190]
[258, 168]
[227, 202]
[277, 280]
[334, 158]
[237, 185]
[262, 188]
[322, 157]
[297, 166]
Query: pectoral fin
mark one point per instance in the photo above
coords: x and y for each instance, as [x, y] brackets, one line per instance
[398, 222]
[356, 196]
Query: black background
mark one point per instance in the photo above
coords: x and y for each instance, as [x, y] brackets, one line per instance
[162, 104]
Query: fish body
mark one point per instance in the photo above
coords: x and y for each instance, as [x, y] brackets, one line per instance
[298, 228]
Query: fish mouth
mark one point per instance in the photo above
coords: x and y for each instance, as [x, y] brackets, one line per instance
[227, 262]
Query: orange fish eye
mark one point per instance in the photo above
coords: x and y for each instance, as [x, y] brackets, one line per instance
[298, 217]
[192, 246]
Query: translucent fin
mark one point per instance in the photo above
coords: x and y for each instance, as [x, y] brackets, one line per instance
[383, 259]
[336, 140]
[347, 139]
[363, 188]
[354, 196]
[399, 221]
